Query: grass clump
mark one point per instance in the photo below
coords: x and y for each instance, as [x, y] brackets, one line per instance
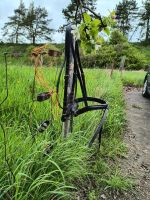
[118, 182]
[133, 78]
[47, 166]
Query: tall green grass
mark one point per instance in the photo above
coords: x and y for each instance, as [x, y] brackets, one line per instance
[45, 165]
[133, 78]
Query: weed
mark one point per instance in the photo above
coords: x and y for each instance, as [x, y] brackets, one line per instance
[118, 182]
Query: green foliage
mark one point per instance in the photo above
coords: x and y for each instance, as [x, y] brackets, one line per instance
[135, 59]
[89, 31]
[86, 24]
[36, 24]
[100, 59]
[13, 29]
[135, 78]
[107, 54]
[92, 195]
[69, 11]
[90, 28]
[145, 21]
[118, 182]
[145, 50]
[28, 24]
[137, 56]
[112, 51]
[126, 11]
[24, 54]
[117, 37]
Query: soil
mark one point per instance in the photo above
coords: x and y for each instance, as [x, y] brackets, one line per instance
[137, 138]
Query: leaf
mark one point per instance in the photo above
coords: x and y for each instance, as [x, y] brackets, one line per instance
[87, 18]
[100, 40]
[107, 31]
[113, 14]
[82, 32]
[96, 22]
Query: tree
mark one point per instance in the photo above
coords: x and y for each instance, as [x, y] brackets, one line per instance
[14, 28]
[87, 24]
[126, 11]
[37, 24]
[117, 37]
[70, 11]
[145, 20]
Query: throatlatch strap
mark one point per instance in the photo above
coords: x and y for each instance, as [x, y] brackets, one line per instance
[99, 128]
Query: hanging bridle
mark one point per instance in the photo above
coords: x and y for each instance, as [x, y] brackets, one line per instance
[72, 108]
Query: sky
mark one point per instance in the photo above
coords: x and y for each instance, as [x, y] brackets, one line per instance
[54, 8]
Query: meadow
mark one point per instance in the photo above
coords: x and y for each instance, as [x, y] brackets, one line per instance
[44, 165]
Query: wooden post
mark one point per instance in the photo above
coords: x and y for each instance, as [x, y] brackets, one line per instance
[67, 124]
[112, 69]
[122, 63]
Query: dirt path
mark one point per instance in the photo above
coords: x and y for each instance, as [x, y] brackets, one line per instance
[137, 138]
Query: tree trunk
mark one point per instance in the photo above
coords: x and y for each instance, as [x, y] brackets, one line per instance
[17, 35]
[122, 63]
[147, 31]
[112, 68]
[16, 38]
[33, 39]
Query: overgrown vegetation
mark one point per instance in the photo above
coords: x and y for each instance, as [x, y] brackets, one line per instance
[144, 49]
[137, 56]
[20, 54]
[134, 78]
[112, 52]
[45, 166]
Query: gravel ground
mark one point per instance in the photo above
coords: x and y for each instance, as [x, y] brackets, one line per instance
[137, 138]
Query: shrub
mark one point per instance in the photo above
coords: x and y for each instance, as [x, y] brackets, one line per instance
[117, 38]
[112, 51]
[24, 52]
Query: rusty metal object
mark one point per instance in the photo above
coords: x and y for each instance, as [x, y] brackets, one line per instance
[54, 53]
